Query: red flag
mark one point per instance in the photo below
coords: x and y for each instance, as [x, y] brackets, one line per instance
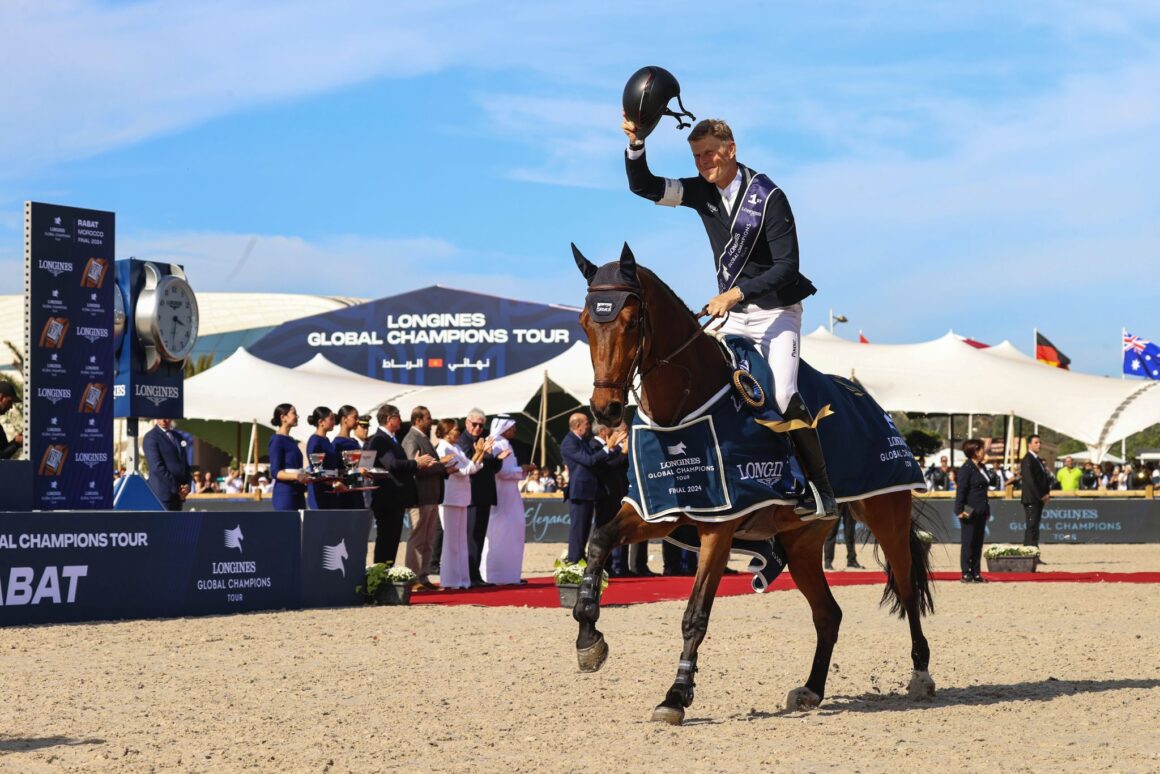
[434, 362]
[862, 339]
[1045, 352]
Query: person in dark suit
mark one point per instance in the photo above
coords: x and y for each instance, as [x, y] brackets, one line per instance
[613, 477]
[9, 449]
[846, 519]
[483, 495]
[394, 474]
[973, 509]
[1036, 490]
[583, 455]
[169, 474]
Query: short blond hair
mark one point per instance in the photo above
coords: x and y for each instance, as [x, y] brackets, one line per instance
[713, 127]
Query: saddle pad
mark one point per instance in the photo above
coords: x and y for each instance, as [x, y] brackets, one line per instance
[718, 464]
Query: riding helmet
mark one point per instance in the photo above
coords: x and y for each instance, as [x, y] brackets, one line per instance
[646, 98]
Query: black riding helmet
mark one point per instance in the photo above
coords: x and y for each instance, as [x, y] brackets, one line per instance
[646, 98]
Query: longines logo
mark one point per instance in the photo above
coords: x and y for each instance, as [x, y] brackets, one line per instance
[92, 333]
[55, 268]
[156, 393]
[54, 394]
[92, 459]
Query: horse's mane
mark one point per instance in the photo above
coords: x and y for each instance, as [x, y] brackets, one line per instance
[666, 288]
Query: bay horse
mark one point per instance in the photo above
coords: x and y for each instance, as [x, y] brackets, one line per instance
[655, 338]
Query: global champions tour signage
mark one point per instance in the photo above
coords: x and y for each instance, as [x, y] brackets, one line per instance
[434, 336]
[68, 371]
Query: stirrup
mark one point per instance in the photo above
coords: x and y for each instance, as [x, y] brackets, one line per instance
[810, 507]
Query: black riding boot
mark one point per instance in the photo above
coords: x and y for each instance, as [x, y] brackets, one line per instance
[808, 448]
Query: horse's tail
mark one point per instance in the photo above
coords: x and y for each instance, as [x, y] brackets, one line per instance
[923, 515]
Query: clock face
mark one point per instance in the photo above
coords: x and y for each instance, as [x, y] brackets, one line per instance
[177, 318]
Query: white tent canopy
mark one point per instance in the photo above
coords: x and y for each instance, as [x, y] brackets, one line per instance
[944, 376]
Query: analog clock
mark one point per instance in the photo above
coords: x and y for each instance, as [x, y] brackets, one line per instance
[166, 317]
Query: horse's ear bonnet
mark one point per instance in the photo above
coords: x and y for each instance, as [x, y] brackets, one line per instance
[611, 287]
[646, 98]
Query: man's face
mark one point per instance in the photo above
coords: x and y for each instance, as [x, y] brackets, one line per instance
[5, 403]
[1034, 445]
[1069, 462]
[474, 426]
[715, 159]
[942, 461]
[394, 423]
[165, 424]
[423, 423]
[582, 426]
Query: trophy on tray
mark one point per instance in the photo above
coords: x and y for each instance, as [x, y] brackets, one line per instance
[352, 460]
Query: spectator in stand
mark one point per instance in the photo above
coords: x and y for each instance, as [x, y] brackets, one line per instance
[289, 493]
[1069, 476]
[973, 510]
[994, 477]
[9, 449]
[396, 483]
[207, 484]
[502, 560]
[235, 484]
[429, 494]
[264, 486]
[1139, 478]
[548, 481]
[1155, 475]
[482, 491]
[454, 570]
[1036, 490]
[1090, 478]
[952, 480]
[320, 495]
[938, 479]
[169, 475]
[531, 484]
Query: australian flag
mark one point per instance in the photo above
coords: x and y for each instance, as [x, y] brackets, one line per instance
[1141, 358]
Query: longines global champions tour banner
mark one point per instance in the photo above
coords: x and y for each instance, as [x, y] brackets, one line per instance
[434, 336]
[68, 368]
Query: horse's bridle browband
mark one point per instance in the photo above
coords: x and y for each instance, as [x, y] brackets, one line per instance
[626, 385]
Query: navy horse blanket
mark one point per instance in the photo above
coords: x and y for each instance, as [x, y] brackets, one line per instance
[727, 458]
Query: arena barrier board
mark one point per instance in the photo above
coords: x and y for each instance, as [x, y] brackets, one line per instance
[58, 567]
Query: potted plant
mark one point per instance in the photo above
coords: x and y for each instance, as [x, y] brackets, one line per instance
[1005, 557]
[388, 585]
[568, 577]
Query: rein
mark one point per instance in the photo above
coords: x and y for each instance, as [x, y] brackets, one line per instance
[643, 324]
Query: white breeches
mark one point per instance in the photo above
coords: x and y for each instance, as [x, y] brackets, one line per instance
[777, 335]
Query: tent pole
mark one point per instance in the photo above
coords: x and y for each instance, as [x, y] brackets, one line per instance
[544, 423]
[951, 437]
[1010, 455]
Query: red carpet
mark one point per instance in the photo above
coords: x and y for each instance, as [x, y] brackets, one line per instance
[541, 592]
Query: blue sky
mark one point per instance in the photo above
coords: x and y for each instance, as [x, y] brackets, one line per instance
[986, 167]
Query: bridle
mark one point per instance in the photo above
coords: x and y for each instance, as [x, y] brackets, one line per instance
[644, 327]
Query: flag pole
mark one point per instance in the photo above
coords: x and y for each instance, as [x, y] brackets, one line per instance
[1035, 344]
[1123, 441]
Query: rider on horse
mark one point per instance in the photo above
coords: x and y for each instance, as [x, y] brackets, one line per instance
[751, 230]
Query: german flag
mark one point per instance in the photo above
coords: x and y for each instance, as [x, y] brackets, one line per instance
[1045, 352]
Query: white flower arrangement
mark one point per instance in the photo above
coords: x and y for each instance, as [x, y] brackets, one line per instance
[1008, 549]
[571, 574]
[400, 575]
[384, 572]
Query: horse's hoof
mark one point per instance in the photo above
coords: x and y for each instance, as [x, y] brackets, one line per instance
[674, 716]
[921, 686]
[801, 698]
[592, 658]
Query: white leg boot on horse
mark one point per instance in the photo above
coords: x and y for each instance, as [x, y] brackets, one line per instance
[808, 448]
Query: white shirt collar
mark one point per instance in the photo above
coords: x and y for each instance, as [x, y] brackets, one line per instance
[729, 192]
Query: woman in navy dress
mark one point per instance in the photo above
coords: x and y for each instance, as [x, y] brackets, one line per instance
[286, 462]
[321, 496]
[345, 441]
[973, 509]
